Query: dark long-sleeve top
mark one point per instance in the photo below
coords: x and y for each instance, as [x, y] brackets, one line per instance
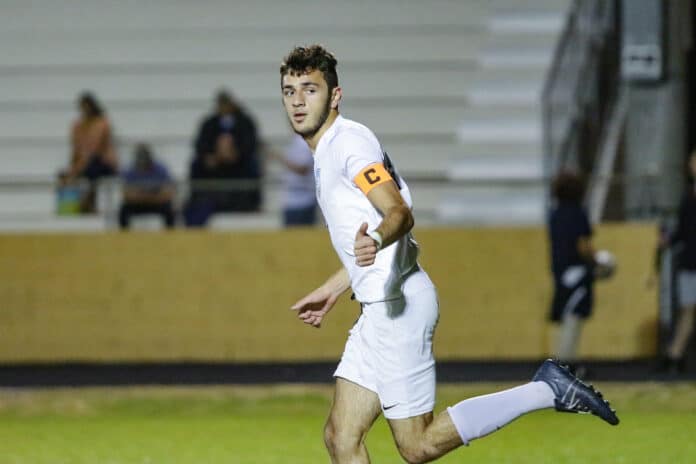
[686, 229]
[243, 130]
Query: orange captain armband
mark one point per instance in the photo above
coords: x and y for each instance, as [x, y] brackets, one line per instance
[371, 177]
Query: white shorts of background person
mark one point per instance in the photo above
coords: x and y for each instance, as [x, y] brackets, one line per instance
[686, 293]
[686, 282]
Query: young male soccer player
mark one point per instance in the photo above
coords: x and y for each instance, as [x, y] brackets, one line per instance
[387, 366]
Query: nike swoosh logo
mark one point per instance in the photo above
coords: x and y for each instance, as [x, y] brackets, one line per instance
[389, 407]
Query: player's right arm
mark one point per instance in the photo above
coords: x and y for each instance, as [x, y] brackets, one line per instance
[586, 249]
[584, 245]
[312, 308]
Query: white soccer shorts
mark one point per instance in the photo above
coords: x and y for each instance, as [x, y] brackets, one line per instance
[389, 350]
[687, 288]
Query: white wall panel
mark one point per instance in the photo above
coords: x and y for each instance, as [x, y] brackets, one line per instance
[201, 49]
[129, 87]
[95, 15]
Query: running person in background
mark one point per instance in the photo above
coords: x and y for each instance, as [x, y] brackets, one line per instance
[686, 280]
[387, 365]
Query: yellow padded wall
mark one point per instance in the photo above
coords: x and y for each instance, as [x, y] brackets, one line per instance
[225, 296]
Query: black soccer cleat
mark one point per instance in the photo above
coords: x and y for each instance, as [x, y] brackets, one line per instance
[572, 395]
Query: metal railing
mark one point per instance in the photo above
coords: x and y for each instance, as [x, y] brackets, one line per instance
[434, 198]
[31, 200]
[580, 86]
[600, 181]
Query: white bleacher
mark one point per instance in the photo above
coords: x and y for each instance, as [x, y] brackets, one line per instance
[186, 49]
[26, 202]
[451, 88]
[512, 206]
[514, 166]
[135, 17]
[163, 122]
[500, 130]
[17, 223]
[495, 123]
[139, 88]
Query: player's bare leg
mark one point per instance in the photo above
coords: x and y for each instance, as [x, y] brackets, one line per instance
[422, 439]
[353, 412]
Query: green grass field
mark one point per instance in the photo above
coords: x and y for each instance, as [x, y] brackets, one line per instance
[283, 424]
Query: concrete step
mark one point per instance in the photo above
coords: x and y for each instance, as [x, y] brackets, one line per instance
[524, 74]
[498, 202]
[23, 223]
[410, 156]
[511, 58]
[497, 7]
[544, 40]
[525, 22]
[500, 123]
[213, 48]
[28, 201]
[144, 123]
[498, 85]
[156, 16]
[245, 221]
[505, 90]
[494, 206]
[494, 148]
[196, 88]
[484, 168]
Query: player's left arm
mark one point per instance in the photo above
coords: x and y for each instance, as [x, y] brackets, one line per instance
[312, 308]
[397, 219]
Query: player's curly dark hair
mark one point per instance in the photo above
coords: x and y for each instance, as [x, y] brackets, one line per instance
[311, 58]
[568, 187]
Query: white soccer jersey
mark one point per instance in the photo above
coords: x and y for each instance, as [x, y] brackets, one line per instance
[343, 152]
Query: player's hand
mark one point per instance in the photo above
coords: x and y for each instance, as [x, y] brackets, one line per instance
[365, 247]
[312, 308]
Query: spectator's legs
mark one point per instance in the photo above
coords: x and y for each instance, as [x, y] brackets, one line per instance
[682, 333]
[198, 211]
[289, 217]
[167, 213]
[95, 170]
[124, 215]
[568, 337]
[299, 216]
[88, 203]
[128, 210]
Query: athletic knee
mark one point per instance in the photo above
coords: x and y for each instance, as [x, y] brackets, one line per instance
[417, 453]
[340, 442]
[330, 436]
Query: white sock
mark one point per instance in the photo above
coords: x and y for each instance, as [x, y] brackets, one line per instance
[477, 417]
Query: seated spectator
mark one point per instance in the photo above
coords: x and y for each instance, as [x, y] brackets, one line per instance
[225, 149]
[92, 153]
[147, 189]
[299, 198]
